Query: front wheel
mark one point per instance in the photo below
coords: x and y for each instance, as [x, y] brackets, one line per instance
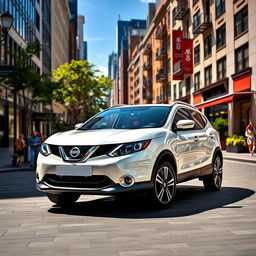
[63, 199]
[164, 186]
[213, 181]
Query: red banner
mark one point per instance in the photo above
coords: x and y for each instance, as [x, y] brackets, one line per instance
[187, 56]
[177, 38]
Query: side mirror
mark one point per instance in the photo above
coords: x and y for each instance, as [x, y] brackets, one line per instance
[77, 126]
[183, 125]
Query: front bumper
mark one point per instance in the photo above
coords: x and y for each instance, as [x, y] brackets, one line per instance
[113, 189]
[138, 165]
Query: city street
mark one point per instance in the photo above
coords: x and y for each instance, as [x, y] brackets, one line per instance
[200, 222]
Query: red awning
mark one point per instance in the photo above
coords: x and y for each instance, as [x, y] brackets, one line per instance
[222, 100]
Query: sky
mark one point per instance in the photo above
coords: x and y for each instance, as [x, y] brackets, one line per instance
[100, 25]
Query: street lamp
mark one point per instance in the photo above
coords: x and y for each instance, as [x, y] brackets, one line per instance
[6, 23]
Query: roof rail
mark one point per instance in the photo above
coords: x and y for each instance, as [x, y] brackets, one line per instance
[118, 105]
[183, 103]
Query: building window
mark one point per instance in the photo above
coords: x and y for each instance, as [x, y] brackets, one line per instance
[242, 58]
[197, 54]
[241, 21]
[173, 16]
[188, 86]
[208, 46]
[196, 20]
[221, 36]
[37, 21]
[169, 90]
[169, 66]
[208, 75]
[174, 92]
[180, 90]
[197, 81]
[220, 7]
[221, 68]
[187, 30]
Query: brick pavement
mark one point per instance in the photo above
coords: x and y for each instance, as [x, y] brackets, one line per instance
[200, 222]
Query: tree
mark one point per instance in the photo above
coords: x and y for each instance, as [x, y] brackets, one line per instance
[81, 90]
[27, 82]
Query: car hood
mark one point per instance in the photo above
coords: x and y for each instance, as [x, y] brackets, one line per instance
[103, 137]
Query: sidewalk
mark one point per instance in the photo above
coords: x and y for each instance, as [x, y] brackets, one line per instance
[240, 157]
[6, 161]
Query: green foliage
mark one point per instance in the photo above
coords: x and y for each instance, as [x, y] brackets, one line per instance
[235, 140]
[60, 127]
[221, 125]
[81, 89]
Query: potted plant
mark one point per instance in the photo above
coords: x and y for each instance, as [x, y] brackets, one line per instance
[236, 144]
[221, 125]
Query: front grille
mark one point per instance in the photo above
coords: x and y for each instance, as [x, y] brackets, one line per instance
[102, 150]
[55, 150]
[95, 181]
[83, 151]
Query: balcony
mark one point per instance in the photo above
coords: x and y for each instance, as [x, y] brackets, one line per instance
[147, 66]
[147, 94]
[160, 32]
[201, 22]
[160, 76]
[147, 49]
[177, 68]
[182, 9]
[160, 53]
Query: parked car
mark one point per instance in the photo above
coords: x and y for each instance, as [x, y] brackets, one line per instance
[129, 149]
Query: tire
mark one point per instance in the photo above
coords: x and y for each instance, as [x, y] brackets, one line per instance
[213, 181]
[64, 199]
[164, 186]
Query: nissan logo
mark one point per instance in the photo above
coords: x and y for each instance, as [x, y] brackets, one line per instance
[74, 152]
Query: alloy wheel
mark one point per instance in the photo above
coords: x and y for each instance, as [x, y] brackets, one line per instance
[164, 185]
[217, 172]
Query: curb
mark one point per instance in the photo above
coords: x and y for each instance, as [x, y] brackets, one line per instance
[16, 169]
[240, 160]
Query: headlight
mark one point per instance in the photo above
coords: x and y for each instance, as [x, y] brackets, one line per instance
[129, 148]
[45, 149]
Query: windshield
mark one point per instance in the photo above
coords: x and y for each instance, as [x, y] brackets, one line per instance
[129, 118]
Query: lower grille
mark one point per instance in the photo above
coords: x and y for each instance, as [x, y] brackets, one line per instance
[95, 181]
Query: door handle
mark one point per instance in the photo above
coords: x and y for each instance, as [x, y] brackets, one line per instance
[196, 139]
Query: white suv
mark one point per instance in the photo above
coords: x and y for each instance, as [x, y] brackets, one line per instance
[131, 148]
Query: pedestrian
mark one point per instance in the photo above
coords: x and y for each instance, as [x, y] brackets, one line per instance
[251, 141]
[34, 144]
[19, 148]
[41, 137]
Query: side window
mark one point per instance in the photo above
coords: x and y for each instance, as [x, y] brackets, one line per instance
[200, 122]
[181, 114]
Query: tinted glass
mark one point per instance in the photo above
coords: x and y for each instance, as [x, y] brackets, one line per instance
[181, 114]
[200, 122]
[129, 118]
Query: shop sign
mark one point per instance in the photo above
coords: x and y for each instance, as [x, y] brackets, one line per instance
[187, 56]
[177, 38]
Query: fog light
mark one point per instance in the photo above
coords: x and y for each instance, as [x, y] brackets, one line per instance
[126, 181]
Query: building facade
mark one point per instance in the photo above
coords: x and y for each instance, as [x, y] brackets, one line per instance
[80, 37]
[223, 80]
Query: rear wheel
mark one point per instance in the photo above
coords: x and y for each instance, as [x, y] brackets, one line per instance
[164, 186]
[213, 181]
[63, 199]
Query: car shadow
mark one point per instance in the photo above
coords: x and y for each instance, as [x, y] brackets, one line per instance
[189, 200]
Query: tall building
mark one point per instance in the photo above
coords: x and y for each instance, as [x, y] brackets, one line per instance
[85, 50]
[125, 29]
[73, 53]
[80, 37]
[215, 67]
[46, 37]
[112, 74]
